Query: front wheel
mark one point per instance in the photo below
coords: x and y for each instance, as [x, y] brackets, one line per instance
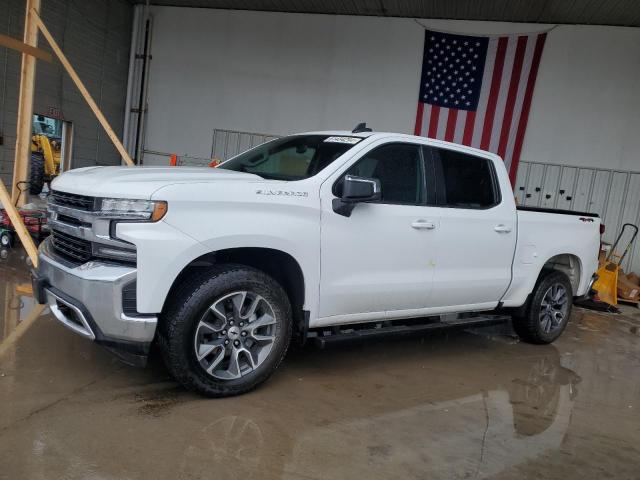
[226, 330]
[548, 311]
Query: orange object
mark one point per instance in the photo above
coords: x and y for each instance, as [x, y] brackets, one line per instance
[214, 163]
[173, 160]
[607, 283]
[159, 211]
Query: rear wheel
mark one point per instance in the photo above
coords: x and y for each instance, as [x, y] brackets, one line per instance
[36, 175]
[226, 331]
[548, 311]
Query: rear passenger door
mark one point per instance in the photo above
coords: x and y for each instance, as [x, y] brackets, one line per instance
[477, 231]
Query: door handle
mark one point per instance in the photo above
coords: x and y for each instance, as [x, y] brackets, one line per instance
[423, 225]
[502, 228]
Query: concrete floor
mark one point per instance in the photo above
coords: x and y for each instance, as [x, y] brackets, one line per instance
[459, 405]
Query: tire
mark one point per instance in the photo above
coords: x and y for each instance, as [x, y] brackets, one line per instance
[210, 309]
[5, 240]
[545, 319]
[36, 174]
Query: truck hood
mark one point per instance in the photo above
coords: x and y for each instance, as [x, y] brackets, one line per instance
[140, 182]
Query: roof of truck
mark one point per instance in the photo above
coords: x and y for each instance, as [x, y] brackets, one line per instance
[376, 135]
[340, 133]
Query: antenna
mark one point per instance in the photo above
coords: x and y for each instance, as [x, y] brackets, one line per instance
[361, 127]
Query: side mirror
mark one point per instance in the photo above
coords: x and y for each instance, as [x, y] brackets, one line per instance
[356, 190]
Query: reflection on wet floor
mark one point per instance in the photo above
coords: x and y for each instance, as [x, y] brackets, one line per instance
[16, 295]
[472, 404]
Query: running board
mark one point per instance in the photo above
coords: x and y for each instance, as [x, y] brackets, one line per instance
[346, 333]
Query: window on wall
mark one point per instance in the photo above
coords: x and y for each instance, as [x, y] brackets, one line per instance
[399, 168]
[465, 181]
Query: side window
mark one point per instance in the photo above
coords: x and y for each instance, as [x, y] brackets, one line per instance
[400, 170]
[465, 181]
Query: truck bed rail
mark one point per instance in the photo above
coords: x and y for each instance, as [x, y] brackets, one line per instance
[557, 210]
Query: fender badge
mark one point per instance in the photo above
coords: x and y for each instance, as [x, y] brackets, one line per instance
[282, 193]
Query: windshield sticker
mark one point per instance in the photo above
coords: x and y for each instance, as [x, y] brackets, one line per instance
[349, 140]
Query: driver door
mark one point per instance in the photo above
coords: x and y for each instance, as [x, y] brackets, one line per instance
[378, 262]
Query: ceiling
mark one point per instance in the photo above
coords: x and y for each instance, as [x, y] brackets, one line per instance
[591, 12]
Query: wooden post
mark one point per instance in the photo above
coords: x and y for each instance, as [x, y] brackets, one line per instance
[25, 237]
[25, 104]
[85, 93]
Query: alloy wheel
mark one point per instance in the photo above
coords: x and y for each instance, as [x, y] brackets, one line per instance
[554, 308]
[235, 335]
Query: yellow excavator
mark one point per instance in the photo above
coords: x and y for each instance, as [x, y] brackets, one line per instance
[46, 145]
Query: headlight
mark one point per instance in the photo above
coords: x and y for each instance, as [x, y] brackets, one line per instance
[133, 209]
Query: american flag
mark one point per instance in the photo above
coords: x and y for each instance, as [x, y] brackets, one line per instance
[477, 90]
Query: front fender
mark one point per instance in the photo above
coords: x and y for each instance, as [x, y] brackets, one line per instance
[163, 252]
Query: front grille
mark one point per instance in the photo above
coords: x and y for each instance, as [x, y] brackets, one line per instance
[71, 200]
[72, 248]
[72, 221]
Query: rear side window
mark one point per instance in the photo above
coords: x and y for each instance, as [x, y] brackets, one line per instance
[465, 181]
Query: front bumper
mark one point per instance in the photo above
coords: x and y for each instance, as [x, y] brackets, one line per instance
[87, 299]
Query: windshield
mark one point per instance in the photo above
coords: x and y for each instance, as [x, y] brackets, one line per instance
[291, 158]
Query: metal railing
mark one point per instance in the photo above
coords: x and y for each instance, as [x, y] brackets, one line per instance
[224, 145]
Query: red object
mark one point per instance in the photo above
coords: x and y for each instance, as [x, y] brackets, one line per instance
[173, 160]
[494, 92]
[511, 99]
[528, 94]
[33, 220]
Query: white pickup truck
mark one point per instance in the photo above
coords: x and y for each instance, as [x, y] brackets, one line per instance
[307, 235]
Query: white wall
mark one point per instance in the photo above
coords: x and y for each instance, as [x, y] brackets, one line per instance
[586, 105]
[281, 73]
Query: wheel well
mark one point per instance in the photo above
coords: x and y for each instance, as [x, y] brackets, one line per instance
[275, 263]
[569, 265]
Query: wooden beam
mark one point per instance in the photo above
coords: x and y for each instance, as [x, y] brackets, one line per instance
[13, 44]
[25, 237]
[25, 105]
[83, 90]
